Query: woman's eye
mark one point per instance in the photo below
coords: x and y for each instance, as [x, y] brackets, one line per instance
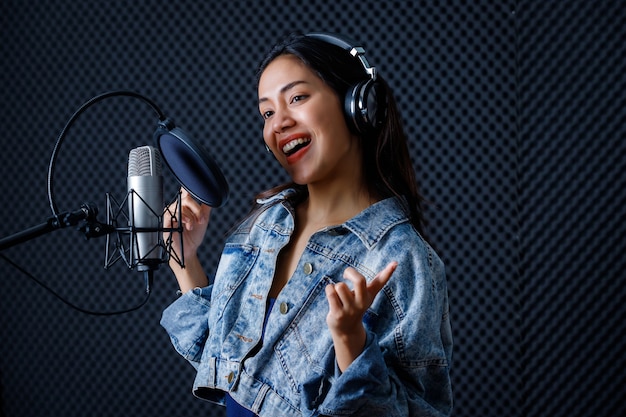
[299, 98]
[266, 115]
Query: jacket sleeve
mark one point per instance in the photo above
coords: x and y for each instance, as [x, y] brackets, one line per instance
[404, 368]
[186, 321]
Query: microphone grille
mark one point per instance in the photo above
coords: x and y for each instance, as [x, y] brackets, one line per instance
[144, 161]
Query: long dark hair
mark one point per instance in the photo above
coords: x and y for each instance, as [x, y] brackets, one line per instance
[386, 164]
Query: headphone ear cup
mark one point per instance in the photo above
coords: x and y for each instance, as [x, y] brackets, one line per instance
[352, 109]
[366, 107]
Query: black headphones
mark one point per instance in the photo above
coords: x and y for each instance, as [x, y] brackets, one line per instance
[365, 104]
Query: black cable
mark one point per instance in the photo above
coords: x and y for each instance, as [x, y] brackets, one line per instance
[74, 306]
[68, 125]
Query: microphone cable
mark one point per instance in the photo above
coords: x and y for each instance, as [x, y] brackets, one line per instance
[148, 275]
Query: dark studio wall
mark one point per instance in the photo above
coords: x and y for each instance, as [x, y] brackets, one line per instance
[516, 113]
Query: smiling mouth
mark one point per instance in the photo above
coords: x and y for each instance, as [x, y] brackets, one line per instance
[295, 145]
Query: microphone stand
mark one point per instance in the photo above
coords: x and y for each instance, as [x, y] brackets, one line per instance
[91, 227]
[86, 213]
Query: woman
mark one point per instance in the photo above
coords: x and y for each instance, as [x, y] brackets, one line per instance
[327, 300]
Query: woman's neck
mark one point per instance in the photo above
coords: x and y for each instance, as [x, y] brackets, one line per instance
[335, 204]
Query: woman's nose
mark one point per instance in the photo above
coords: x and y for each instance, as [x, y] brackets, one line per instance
[282, 120]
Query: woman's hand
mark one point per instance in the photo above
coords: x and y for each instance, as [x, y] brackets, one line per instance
[195, 220]
[347, 307]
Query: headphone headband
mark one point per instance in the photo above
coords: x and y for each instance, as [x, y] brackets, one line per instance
[342, 42]
[365, 104]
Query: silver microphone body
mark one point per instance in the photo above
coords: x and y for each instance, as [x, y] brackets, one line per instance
[145, 206]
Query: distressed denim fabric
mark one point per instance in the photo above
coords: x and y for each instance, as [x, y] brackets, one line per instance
[291, 370]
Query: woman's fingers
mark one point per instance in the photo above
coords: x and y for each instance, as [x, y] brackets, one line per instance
[194, 219]
[363, 293]
[382, 278]
[347, 306]
[333, 298]
[193, 212]
[358, 281]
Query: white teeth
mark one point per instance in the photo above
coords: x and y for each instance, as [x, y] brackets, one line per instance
[291, 145]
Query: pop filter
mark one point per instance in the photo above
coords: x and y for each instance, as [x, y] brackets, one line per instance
[192, 165]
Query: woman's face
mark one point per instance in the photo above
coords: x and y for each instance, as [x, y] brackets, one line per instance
[304, 124]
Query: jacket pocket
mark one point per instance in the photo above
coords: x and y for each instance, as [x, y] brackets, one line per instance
[235, 264]
[305, 350]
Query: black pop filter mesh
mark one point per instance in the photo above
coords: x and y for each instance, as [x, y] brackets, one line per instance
[193, 166]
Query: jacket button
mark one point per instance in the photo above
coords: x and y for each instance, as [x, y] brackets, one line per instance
[284, 308]
[308, 268]
[230, 377]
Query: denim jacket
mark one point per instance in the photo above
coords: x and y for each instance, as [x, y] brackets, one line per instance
[290, 370]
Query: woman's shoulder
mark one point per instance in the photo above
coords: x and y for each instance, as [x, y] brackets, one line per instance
[267, 209]
[398, 238]
[384, 220]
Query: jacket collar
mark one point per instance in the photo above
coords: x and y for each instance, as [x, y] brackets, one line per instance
[371, 224]
[375, 221]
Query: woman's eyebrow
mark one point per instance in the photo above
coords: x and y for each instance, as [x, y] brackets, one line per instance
[285, 88]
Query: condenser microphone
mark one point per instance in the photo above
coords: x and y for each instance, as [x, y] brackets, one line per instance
[145, 206]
